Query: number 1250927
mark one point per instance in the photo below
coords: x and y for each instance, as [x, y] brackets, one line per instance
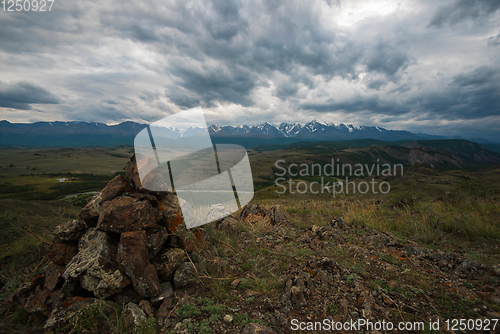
[27, 5]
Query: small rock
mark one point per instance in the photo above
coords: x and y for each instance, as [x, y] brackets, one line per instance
[185, 275]
[253, 213]
[163, 312]
[344, 303]
[278, 216]
[134, 316]
[146, 306]
[228, 318]
[296, 289]
[156, 239]
[167, 262]
[235, 283]
[253, 328]
[392, 284]
[166, 292]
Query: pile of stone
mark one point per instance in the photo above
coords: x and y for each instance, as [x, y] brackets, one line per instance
[129, 246]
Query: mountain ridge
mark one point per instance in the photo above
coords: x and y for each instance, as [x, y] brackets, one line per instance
[76, 133]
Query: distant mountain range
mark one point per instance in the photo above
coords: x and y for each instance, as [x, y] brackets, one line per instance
[316, 130]
[75, 134]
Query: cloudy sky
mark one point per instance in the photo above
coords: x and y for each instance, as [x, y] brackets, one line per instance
[423, 66]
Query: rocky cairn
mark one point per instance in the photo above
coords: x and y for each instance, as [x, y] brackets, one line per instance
[129, 246]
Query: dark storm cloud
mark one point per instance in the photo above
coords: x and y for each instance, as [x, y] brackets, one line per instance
[373, 104]
[387, 59]
[470, 95]
[464, 10]
[21, 95]
[209, 84]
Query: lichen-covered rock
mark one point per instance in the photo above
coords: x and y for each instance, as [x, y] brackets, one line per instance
[167, 262]
[61, 252]
[70, 230]
[94, 265]
[133, 259]
[253, 213]
[126, 213]
[134, 316]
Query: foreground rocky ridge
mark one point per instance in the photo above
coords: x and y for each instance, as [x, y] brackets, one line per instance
[129, 249]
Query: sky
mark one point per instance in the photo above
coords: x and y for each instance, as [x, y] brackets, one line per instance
[422, 66]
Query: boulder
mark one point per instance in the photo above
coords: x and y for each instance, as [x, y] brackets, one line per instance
[116, 187]
[133, 259]
[94, 265]
[126, 213]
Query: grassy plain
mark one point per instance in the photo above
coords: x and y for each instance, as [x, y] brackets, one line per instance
[451, 210]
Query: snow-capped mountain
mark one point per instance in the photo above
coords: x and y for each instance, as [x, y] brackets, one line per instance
[315, 130]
